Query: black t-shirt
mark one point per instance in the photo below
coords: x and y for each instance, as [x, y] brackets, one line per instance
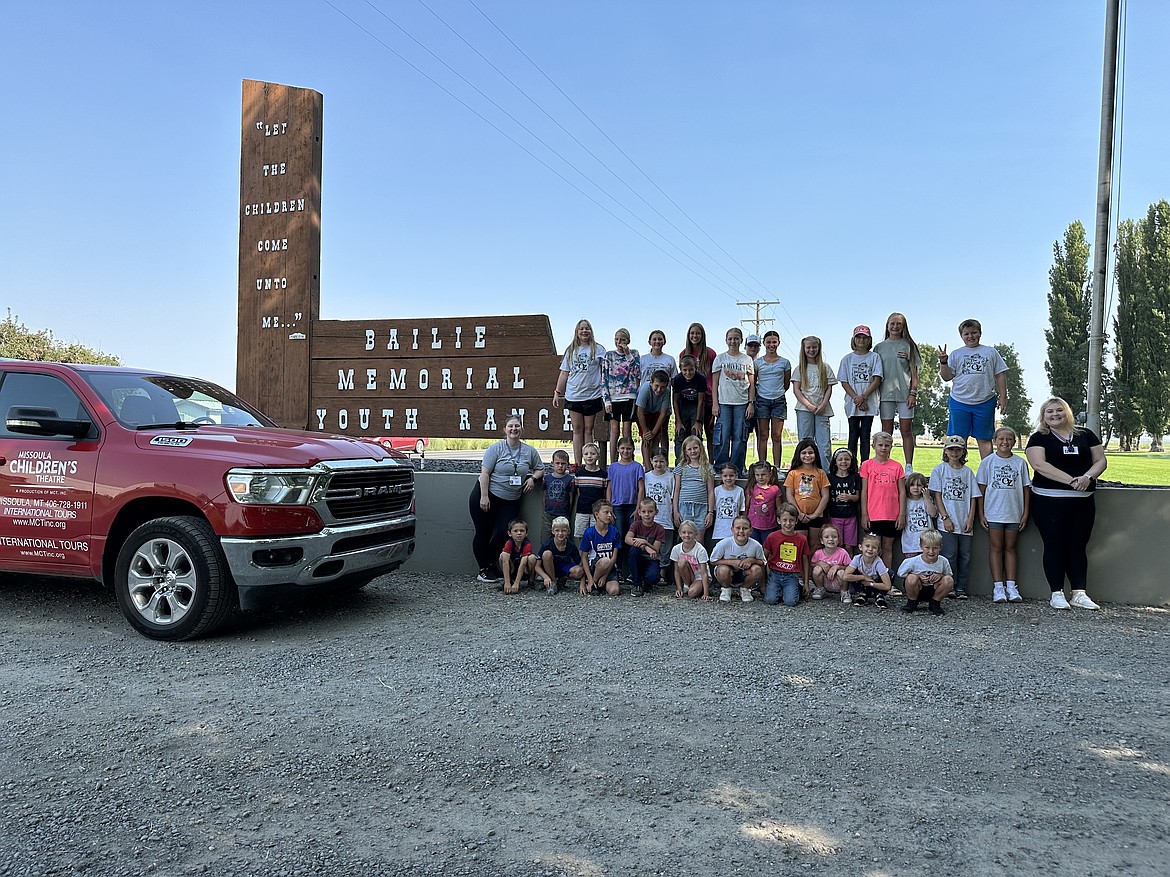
[839, 485]
[1073, 458]
[688, 391]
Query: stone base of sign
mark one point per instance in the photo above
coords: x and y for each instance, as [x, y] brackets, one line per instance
[1129, 521]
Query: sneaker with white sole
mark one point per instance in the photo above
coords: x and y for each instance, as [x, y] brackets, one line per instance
[1013, 593]
[846, 597]
[998, 594]
[818, 593]
[725, 595]
[1082, 601]
[745, 595]
[1058, 601]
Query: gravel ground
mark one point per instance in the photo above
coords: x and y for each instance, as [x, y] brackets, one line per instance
[430, 725]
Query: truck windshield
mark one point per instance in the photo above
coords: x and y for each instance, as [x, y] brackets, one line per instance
[142, 400]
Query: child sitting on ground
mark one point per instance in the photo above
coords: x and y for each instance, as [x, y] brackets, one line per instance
[690, 564]
[787, 553]
[599, 552]
[559, 558]
[516, 560]
[867, 574]
[738, 560]
[645, 538]
[927, 574]
[828, 563]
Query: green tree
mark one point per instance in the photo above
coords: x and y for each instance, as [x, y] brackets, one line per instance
[1128, 351]
[1019, 405]
[930, 414]
[1068, 317]
[1142, 381]
[17, 341]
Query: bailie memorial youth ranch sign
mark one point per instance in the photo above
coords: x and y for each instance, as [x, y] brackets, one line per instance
[444, 376]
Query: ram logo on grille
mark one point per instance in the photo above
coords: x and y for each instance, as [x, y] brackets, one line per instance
[385, 490]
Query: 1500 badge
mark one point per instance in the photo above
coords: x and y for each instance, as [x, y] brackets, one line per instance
[171, 441]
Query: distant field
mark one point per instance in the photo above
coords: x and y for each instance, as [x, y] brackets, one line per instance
[1128, 468]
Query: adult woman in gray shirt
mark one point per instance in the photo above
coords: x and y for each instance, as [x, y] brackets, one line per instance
[510, 469]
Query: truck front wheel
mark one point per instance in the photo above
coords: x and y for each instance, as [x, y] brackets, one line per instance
[172, 580]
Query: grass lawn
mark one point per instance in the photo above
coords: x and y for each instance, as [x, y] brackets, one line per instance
[1128, 468]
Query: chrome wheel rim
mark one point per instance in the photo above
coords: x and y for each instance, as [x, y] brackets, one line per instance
[162, 581]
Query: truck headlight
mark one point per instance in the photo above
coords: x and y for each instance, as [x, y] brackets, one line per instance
[271, 486]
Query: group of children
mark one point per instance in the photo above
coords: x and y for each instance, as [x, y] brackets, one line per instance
[816, 533]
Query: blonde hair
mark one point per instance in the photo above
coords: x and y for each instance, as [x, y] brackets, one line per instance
[818, 361]
[560, 521]
[622, 333]
[688, 525]
[704, 464]
[882, 436]
[871, 537]
[1041, 426]
[915, 354]
[930, 537]
[573, 345]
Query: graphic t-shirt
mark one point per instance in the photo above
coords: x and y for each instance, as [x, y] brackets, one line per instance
[807, 486]
[584, 367]
[734, 373]
[697, 557]
[917, 522]
[857, 370]
[761, 508]
[841, 486]
[557, 493]
[727, 506]
[660, 488]
[917, 566]
[975, 369]
[956, 488]
[661, 362]
[688, 390]
[786, 553]
[1005, 479]
[729, 549]
[596, 545]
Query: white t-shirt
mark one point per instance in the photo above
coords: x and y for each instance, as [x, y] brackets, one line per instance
[697, 557]
[917, 566]
[857, 370]
[1004, 479]
[660, 488]
[956, 489]
[734, 372]
[728, 504]
[729, 549]
[584, 381]
[662, 362]
[917, 521]
[975, 369]
[812, 388]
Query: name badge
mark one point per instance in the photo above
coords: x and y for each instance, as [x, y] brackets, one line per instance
[515, 480]
[1071, 451]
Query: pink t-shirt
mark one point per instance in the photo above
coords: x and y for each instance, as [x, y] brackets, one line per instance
[761, 506]
[881, 489]
[839, 556]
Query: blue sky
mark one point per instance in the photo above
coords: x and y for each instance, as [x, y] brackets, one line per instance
[853, 157]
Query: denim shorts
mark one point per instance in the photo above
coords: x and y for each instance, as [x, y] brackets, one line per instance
[1000, 525]
[695, 512]
[771, 409]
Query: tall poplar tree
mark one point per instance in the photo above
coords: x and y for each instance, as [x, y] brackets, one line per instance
[1019, 416]
[1069, 305]
[1128, 351]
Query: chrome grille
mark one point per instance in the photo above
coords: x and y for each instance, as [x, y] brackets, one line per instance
[367, 493]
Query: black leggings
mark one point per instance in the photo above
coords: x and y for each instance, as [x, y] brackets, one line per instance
[491, 527]
[859, 428]
[1065, 523]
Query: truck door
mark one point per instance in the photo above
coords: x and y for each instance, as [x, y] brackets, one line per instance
[46, 483]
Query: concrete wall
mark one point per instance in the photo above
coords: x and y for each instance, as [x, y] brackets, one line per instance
[1130, 522]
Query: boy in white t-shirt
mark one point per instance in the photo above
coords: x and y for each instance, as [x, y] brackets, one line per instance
[738, 560]
[928, 573]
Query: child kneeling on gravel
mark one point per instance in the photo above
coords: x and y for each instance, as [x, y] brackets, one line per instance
[927, 574]
[559, 557]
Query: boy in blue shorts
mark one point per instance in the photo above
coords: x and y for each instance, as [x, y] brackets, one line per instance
[559, 558]
[978, 376]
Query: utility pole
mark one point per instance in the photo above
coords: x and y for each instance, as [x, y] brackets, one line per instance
[758, 320]
[1101, 236]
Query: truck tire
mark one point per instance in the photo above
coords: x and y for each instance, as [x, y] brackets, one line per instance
[172, 580]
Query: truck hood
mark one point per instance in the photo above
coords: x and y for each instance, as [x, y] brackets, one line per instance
[260, 446]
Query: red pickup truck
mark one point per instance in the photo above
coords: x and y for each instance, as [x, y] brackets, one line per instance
[185, 499]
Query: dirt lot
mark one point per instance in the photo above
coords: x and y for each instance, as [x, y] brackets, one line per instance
[433, 726]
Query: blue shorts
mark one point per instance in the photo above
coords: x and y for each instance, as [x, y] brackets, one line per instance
[972, 421]
[1003, 525]
[771, 409]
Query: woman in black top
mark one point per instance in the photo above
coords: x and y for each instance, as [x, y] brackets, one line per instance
[1066, 461]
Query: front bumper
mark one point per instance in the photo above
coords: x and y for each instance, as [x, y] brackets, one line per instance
[338, 551]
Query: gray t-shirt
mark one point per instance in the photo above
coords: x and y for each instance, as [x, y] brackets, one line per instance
[729, 549]
[956, 489]
[897, 357]
[975, 370]
[506, 464]
[651, 403]
[917, 566]
[1005, 479]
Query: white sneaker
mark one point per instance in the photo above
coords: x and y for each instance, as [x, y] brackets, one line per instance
[909, 469]
[1058, 601]
[1081, 601]
[745, 595]
[846, 597]
[1013, 593]
[998, 595]
[725, 595]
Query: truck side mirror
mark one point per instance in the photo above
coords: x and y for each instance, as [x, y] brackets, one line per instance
[28, 420]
